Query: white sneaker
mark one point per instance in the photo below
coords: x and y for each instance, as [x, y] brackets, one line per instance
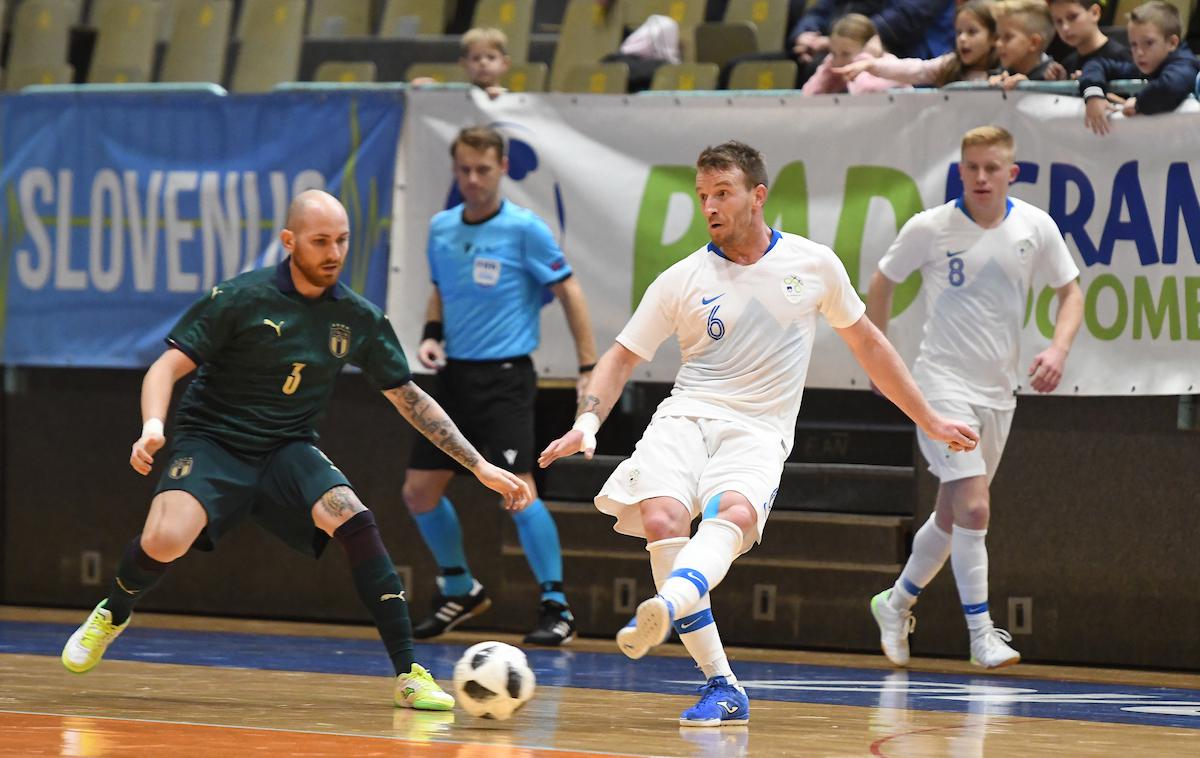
[894, 628]
[86, 646]
[647, 629]
[989, 648]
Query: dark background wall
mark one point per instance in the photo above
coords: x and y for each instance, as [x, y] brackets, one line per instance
[1096, 519]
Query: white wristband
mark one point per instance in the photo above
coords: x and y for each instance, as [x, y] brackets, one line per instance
[152, 427]
[589, 424]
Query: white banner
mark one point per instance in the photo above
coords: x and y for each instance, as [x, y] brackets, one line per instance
[613, 177]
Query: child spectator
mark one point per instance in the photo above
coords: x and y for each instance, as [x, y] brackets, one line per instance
[1024, 30]
[1154, 30]
[847, 44]
[484, 56]
[973, 57]
[1078, 25]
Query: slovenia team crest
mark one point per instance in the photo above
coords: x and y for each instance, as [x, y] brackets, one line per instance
[339, 340]
[792, 287]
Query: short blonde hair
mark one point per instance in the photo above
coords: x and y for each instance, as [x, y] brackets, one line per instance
[480, 35]
[990, 136]
[1034, 17]
[854, 26]
[1162, 15]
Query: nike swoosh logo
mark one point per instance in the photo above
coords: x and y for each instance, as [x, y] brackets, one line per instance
[688, 625]
[728, 708]
[707, 300]
[391, 596]
[951, 255]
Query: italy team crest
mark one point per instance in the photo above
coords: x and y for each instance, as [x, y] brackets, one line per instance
[792, 286]
[180, 467]
[339, 340]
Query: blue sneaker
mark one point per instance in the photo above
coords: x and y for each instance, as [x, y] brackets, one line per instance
[721, 704]
[647, 629]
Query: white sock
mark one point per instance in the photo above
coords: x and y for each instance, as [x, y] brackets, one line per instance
[701, 564]
[969, 559]
[704, 642]
[931, 548]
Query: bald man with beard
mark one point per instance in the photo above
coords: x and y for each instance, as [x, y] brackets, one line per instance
[266, 347]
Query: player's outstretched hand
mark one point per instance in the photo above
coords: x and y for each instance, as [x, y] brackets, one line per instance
[570, 443]
[1047, 369]
[511, 487]
[958, 436]
[142, 457]
[431, 354]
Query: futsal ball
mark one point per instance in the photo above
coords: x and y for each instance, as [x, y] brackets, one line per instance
[492, 680]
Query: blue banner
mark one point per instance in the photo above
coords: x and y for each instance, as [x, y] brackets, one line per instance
[118, 211]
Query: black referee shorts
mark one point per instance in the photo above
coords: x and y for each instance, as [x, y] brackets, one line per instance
[492, 403]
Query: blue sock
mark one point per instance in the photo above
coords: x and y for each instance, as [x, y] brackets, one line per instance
[539, 540]
[443, 535]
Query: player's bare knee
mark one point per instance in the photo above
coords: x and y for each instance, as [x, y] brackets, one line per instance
[165, 542]
[975, 514]
[740, 513]
[336, 507]
[663, 519]
[422, 491]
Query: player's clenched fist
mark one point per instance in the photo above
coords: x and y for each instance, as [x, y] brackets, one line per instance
[151, 441]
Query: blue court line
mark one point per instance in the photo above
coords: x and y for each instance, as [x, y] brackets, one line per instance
[784, 682]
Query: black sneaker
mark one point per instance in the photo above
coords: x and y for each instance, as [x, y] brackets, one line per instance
[555, 626]
[450, 611]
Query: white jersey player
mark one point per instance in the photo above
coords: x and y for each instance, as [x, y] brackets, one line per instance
[978, 257]
[745, 312]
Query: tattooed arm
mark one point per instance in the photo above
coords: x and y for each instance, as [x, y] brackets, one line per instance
[428, 418]
[609, 378]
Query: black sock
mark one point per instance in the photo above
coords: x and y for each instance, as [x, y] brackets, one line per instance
[137, 573]
[378, 586]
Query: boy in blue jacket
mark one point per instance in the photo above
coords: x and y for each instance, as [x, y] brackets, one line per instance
[1170, 68]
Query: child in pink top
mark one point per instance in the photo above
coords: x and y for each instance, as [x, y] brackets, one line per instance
[847, 43]
[974, 54]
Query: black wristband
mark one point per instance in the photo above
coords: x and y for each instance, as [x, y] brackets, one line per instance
[586, 367]
[433, 331]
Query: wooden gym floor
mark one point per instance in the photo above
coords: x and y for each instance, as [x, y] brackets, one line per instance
[188, 686]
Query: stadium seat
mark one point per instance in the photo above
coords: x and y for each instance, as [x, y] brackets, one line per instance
[526, 77]
[588, 34]
[768, 16]
[271, 32]
[686, 76]
[442, 73]
[406, 18]
[763, 75]
[598, 79]
[39, 73]
[38, 45]
[196, 51]
[339, 18]
[344, 72]
[125, 34]
[513, 17]
[720, 41]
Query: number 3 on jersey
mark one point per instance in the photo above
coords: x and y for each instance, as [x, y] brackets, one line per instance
[292, 383]
[957, 277]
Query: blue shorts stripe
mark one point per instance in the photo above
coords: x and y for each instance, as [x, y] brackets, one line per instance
[971, 610]
[695, 577]
[910, 588]
[712, 507]
[695, 622]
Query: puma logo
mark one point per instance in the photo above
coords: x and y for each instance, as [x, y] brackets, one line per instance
[125, 589]
[391, 596]
[277, 327]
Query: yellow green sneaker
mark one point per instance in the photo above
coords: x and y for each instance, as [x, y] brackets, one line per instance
[416, 689]
[86, 646]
